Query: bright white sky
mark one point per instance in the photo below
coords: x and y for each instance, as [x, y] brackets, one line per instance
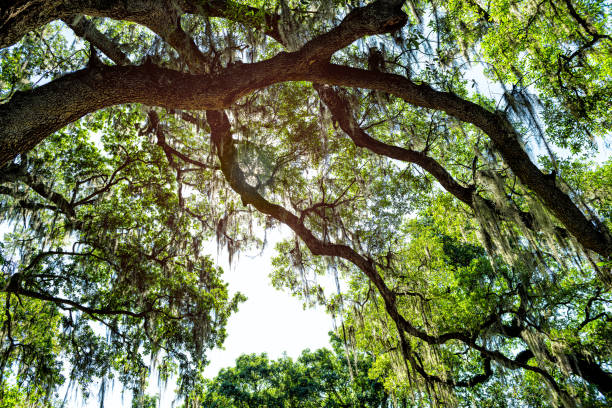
[270, 321]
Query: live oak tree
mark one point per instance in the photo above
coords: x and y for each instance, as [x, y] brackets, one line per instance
[433, 156]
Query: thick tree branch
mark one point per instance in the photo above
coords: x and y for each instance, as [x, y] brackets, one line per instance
[496, 125]
[30, 116]
[22, 16]
[341, 112]
[86, 29]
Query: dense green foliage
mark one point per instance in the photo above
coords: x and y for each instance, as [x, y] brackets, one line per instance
[110, 278]
[320, 378]
[444, 163]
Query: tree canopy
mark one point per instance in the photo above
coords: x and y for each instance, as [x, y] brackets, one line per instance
[440, 160]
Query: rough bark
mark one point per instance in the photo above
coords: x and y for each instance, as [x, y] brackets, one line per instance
[22, 16]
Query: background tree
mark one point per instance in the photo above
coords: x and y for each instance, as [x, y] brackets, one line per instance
[470, 228]
[318, 378]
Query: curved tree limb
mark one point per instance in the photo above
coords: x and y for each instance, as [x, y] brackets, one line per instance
[497, 126]
[32, 115]
[341, 112]
[226, 152]
[23, 16]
